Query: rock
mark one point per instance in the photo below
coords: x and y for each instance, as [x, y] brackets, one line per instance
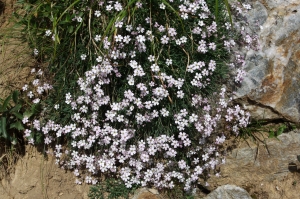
[271, 165]
[228, 192]
[271, 89]
[145, 193]
[271, 4]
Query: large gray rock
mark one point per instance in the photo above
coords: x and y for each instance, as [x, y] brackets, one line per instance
[228, 192]
[272, 88]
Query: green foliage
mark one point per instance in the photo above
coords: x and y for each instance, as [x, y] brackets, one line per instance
[110, 189]
[12, 110]
[261, 126]
[11, 118]
[275, 133]
[73, 38]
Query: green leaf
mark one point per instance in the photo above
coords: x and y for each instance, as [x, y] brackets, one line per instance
[70, 29]
[16, 108]
[271, 134]
[228, 10]
[6, 103]
[28, 113]
[280, 130]
[18, 115]
[15, 96]
[216, 10]
[17, 125]
[35, 108]
[3, 128]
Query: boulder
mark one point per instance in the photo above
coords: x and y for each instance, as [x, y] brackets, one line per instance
[228, 192]
[271, 89]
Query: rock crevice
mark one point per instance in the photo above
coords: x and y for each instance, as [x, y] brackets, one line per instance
[273, 80]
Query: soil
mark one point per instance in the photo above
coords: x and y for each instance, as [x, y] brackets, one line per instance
[37, 176]
[15, 58]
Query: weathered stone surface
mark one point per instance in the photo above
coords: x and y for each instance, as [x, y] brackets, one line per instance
[271, 4]
[146, 193]
[228, 192]
[272, 88]
[269, 165]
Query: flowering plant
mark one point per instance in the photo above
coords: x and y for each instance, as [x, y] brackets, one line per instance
[151, 107]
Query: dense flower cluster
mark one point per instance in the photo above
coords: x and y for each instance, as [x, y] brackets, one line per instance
[160, 127]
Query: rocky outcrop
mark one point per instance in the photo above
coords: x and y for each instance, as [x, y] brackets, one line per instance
[269, 166]
[272, 88]
[229, 192]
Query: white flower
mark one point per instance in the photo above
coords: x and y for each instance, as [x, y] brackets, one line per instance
[119, 24]
[180, 94]
[130, 80]
[119, 38]
[184, 16]
[162, 6]
[36, 82]
[36, 101]
[25, 120]
[178, 42]
[247, 6]
[183, 39]
[155, 68]
[126, 39]
[56, 106]
[169, 62]
[40, 90]
[35, 52]
[25, 87]
[40, 72]
[30, 94]
[164, 112]
[78, 181]
[48, 33]
[99, 59]
[128, 28]
[83, 56]
[97, 38]
[201, 23]
[141, 38]
[212, 46]
[118, 6]
[164, 39]
[27, 132]
[151, 58]
[79, 19]
[109, 8]
[97, 13]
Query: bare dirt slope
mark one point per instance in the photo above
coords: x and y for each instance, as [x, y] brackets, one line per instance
[15, 57]
[38, 177]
